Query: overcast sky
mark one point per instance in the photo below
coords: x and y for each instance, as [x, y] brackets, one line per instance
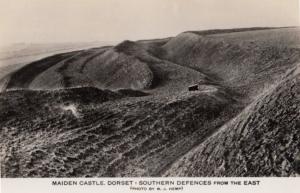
[115, 20]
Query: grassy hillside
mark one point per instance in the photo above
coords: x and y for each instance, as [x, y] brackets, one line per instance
[263, 140]
[125, 110]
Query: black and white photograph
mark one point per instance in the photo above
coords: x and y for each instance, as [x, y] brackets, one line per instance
[163, 89]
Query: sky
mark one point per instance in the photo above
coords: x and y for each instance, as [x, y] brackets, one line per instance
[39, 21]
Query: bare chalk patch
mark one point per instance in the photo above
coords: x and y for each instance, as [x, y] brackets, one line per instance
[71, 108]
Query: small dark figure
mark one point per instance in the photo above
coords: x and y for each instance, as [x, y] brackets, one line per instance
[193, 88]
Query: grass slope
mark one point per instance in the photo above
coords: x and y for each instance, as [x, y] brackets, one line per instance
[125, 110]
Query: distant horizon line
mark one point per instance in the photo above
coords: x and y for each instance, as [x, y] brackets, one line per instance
[240, 29]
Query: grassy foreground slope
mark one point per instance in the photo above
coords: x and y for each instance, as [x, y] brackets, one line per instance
[125, 110]
[263, 140]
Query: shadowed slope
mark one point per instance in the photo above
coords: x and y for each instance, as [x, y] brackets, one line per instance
[128, 65]
[23, 77]
[89, 132]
